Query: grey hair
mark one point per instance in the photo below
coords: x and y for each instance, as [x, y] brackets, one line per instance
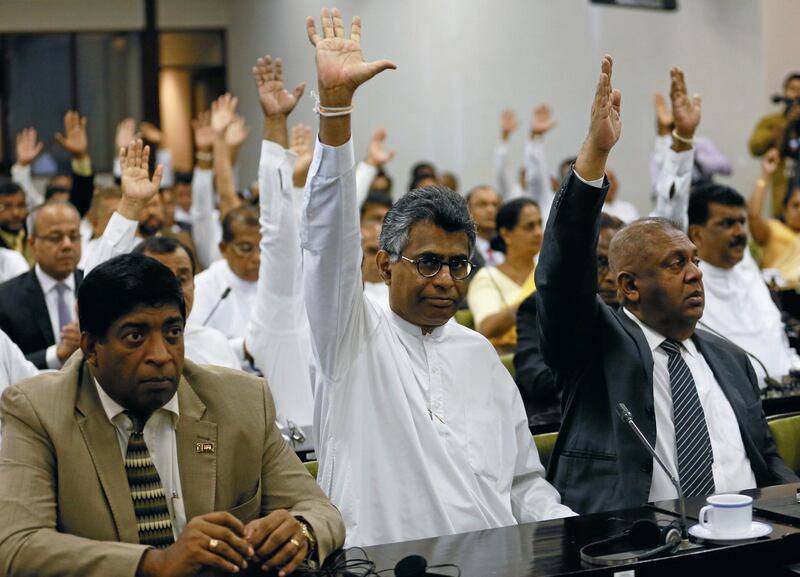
[631, 242]
[437, 205]
[34, 214]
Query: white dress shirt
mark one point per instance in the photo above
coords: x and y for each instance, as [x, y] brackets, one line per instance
[48, 285]
[233, 312]
[208, 346]
[491, 257]
[622, 209]
[278, 336]
[159, 435]
[117, 239]
[13, 365]
[731, 468]
[206, 227]
[12, 264]
[420, 435]
[378, 293]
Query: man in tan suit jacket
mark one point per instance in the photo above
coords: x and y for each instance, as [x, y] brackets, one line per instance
[65, 500]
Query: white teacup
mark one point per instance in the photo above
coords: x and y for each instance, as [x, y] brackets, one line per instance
[727, 515]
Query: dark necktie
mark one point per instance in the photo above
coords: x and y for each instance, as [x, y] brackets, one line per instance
[149, 504]
[695, 456]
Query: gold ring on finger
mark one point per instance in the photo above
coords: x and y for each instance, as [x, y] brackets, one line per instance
[213, 544]
[295, 542]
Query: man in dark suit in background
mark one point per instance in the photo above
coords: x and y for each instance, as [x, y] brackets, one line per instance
[699, 391]
[37, 308]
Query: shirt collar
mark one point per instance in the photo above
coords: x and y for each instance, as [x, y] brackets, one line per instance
[412, 329]
[113, 409]
[48, 283]
[654, 338]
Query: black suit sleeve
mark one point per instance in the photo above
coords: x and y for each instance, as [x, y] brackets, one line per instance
[38, 358]
[81, 193]
[566, 276]
[534, 378]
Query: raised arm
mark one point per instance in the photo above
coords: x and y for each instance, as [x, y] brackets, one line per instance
[223, 114]
[206, 231]
[138, 188]
[566, 276]
[537, 179]
[377, 156]
[278, 335]
[675, 177]
[331, 236]
[75, 140]
[28, 148]
[759, 227]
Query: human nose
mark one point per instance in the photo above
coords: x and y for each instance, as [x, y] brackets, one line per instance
[444, 277]
[157, 352]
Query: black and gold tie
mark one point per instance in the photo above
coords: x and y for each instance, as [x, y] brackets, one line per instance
[149, 503]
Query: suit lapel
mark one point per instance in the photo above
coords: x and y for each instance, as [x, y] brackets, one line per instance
[722, 372]
[38, 308]
[197, 453]
[100, 437]
[645, 354]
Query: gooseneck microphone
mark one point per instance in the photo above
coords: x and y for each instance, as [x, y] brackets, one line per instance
[222, 297]
[627, 418]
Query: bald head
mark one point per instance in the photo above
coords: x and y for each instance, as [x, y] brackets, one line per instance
[631, 246]
[55, 238]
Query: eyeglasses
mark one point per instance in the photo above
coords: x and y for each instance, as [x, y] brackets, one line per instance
[58, 238]
[429, 266]
[244, 248]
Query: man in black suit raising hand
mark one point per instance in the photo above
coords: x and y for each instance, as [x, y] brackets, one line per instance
[697, 391]
[37, 308]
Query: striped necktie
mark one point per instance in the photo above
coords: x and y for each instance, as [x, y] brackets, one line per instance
[695, 456]
[149, 504]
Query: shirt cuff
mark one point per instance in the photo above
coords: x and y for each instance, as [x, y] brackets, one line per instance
[118, 226]
[51, 358]
[334, 161]
[597, 183]
[82, 166]
[274, 155]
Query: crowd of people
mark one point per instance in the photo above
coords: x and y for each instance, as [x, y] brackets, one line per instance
[161, 337]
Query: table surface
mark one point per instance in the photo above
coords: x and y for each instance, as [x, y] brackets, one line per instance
[553, 547]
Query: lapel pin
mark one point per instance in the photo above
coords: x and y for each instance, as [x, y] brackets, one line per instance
[205, 447]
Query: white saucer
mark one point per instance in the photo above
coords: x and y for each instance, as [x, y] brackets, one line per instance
[756, 530]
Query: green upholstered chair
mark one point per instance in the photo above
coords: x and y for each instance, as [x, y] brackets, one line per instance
[786, 431]
[312, 467]
[508, 361]
[544, 444]
[464, 317]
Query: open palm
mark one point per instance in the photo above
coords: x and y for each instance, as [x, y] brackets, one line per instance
[275, 100]
[136, 183]
[606, 125]
[686, 111]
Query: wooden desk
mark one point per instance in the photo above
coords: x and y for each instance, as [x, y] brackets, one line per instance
[552, 547]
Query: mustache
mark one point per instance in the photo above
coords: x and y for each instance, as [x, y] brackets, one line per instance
[738, 241]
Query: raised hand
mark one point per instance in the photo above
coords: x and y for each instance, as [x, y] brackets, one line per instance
[605, 127]
[151, 132]
[340, 64]
[275, 100]
[203, 133]
[237, 132]
[302, 147]
[376, 154]
[664, 118]
[28, 146]
[126, 131]
[686, 111]
[508, 123]
[769, 162]
[223, 111]
[542, 121]
[137, 187]
[74, 139]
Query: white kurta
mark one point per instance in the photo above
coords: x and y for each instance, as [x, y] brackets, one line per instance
[12, 264]
[13, 365]
[420, 435]
[233, 312]
[207, 346]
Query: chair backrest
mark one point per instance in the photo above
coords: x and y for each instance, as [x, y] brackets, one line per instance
[313, 467]
[464, 317]
[508, 361]
[544, 444]
[786, 431]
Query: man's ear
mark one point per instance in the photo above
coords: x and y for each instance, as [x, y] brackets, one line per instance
[384, 266]
[222, 246]
[694, 233]
[89, 348]
[626, 287]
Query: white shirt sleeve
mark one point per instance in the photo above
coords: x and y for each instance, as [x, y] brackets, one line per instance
[537, 179]
[365, 174]
[331, 241]
[14, 366]
[672, 187]
[21, 175]
[278, 336]
[118, 238]
[51, 357]
[502, 173]
[206, 228]
[662, 145]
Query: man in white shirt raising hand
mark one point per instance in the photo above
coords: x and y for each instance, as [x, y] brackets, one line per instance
[422, 430]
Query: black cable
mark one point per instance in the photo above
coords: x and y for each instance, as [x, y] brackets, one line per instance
[341, 566]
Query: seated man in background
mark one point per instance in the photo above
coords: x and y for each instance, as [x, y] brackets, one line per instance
[172, 495]
[13, 212]
[483, 202]
[697, 390]
[534, 378]
[37, 308]
[425, 425]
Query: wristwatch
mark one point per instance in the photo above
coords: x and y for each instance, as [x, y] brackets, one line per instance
[308, 533]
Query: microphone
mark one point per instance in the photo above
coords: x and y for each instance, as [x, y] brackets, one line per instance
[224, 295]
[626, 417]
[417, 566]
